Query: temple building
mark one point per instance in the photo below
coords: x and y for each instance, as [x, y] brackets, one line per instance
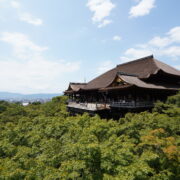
[130, 87]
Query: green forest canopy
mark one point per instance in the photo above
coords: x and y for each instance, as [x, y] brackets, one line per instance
[41, 141]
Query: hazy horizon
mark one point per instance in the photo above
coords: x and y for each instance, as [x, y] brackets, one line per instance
[28, 93]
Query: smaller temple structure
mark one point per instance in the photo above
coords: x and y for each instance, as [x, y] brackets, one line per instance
[130, 87]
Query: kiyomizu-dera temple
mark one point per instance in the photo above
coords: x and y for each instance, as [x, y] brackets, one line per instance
[129, 87]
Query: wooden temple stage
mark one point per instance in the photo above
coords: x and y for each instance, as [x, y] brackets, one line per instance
[130, 87]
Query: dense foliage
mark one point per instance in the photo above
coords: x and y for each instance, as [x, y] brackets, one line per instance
[41, 141]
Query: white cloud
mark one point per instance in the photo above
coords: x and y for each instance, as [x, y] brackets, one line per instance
[22, 47]
[124, 59]
[174, 34]
[104, 23]
[117, 38]
[28, 71]
[1, 1]
[101, 10]
[27, 17]
[173, 51]
[37, 75]
[142, 8]
[22, 15]
[161, 46]
[160, 42]
[137, 53]
[15, 4]
[105, 66]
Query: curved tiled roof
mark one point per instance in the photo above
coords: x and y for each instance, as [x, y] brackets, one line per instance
[76, 86]
[143, 68]
[139, 83]
[166, 68]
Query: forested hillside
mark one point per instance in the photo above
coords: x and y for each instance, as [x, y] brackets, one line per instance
[41, 141]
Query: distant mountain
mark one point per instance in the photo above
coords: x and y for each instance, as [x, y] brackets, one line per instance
[18, 96]
[5, 95]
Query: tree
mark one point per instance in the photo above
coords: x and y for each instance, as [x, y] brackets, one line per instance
[41, 141]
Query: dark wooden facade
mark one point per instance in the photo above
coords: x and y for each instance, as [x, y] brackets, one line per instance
[129, 87]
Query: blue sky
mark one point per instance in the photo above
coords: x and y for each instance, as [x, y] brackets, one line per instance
[47, 44]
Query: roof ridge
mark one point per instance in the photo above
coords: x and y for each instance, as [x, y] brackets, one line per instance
[102, 74]
[158, 68]
[164, 64]
[140, 59]
[77, 83]
[155, 62]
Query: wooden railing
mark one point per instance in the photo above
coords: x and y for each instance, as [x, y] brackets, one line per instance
[113, 104]
[133, 104]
